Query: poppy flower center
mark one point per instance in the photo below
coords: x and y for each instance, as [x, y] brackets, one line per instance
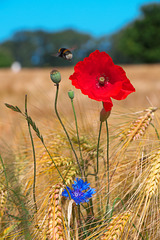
[102, 80]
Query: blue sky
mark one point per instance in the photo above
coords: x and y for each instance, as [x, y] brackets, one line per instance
[97, 17]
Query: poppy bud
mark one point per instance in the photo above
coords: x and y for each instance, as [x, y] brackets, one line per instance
[55, 76]
[104, 115]
[71, 94]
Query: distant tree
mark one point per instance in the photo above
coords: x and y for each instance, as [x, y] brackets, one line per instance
[36, 48]
[68, 39]
[140, 40]
[6, 58]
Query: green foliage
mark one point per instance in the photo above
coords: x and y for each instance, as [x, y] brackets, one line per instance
[6, 58]
[37, 48]
[139, 41]
[15, 201]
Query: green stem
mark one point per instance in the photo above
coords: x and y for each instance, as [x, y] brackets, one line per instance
[41, 138]
[4, 171]
[25, 213]
[57, 169]
[6, 178]
[108, 162]
[83, 229]
[155, 130]
[95, 174]
[138, 231]
[34, 158]
[105, 175]
[118, 198]
[65, 128]
[80, 222]
[96, 171]
[54, 164]
[100, 128]
[75, 117]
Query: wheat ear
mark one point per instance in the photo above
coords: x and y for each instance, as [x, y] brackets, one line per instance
[55, 219]
[138, 127]
[116, 226]
[151, 186]
[3, 199]
[153, 179]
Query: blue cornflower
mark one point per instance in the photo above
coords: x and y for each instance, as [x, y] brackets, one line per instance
[81, 191]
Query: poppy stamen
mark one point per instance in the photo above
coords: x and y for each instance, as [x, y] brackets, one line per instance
[102, 80]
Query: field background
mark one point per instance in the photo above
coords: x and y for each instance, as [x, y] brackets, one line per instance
[126, 168]
[37, 85]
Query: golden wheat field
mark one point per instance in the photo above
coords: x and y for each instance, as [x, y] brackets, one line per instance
[37, 85]
[126, 204]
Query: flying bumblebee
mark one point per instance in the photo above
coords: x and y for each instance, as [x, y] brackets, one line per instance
[65, 53]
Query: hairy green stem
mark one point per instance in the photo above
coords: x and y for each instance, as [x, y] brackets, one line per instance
[4, 171]
[24, 221]
[113, 206]
[57, 169]
[138, 232]
[34, 157]
[56, 111]
[54, 163]
[80, 222]
[108, 163]
[100, 128]
[96, 172]
[41, 138]
[75, 117]
[6, 178]
[155, 130]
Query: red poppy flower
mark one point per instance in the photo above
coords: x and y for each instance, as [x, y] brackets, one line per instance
[99, 78]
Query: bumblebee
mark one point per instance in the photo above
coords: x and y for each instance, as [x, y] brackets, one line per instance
[65, 53]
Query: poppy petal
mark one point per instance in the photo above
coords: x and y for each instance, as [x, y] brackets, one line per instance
[99, 78]
[108, 105]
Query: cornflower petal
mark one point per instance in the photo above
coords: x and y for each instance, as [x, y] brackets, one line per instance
[81, 191]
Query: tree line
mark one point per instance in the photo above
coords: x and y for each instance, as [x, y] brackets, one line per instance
[138, 42]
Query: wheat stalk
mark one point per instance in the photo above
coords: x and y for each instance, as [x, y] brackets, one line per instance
[116, 226]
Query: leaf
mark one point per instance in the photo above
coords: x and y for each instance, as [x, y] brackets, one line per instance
[16, 109]
[35, 128]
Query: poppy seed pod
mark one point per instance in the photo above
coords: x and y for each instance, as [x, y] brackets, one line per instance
[104, 115]
[55, 76]
[71, 94]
